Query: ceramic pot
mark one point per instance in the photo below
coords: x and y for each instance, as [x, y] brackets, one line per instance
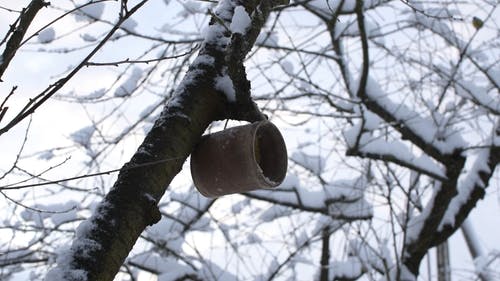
[239, 159]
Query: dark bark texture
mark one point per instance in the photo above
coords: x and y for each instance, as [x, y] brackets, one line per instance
[98, 251]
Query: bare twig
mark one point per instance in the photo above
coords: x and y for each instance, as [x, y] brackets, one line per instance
[15, 186]
[129, 61]
[40, 99]
[13, 43]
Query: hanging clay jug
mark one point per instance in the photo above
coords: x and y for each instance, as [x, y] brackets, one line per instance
[239, 159]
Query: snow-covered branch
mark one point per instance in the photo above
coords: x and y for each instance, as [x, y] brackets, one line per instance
[460, 194]
[103, 241]
[343, 200]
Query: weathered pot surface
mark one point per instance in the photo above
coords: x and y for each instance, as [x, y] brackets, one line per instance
[239, 159]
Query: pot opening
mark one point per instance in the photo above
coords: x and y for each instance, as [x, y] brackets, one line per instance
[270, 152]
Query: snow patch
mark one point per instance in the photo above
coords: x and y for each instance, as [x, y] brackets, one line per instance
[203, 60]
[63, 271]
[191, 8]
[46, 155]
[241, 20]
[88, 38]
[351, 134]
[202, 224]
[238, 207]
[253, 238]
[287, 67]
[149, 110]
[494, 73]
[291, 181]
[313, 163]
[346, 190]
[330, 7]
[83, 228]
[430, 20]
[478, 94]
[47, 35]
[97, 94]
[60, 218]
[402, 153]
[467, 181]
[129, 25]
[274, 212]
[128, 87]
[347, 202]
[225, 85]
[350, 269]
[83, 136]
[90, 12]
[164, 230]
[446, 140]
[211, 271]
[359, 209]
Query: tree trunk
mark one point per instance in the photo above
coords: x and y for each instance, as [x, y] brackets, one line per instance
[104, 241]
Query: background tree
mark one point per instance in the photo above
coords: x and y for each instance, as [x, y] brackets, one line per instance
[389, 108]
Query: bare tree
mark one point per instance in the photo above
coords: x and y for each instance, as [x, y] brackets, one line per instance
[390, 110]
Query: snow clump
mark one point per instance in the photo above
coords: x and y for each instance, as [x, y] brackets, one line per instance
[128, 87]
[90, 12]
[47, 35]
[225, 84]
[241, 20]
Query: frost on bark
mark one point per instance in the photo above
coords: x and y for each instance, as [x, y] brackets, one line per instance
[103, 242]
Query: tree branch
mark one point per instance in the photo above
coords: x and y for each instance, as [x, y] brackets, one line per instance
[325, 254]
[107, 237]
[41, 98]
[13, 43]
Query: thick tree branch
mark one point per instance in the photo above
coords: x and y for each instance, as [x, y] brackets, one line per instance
[477, 193]
[104, 241]
[431, 234]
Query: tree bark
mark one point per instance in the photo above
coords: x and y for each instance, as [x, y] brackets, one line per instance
[104, 241]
